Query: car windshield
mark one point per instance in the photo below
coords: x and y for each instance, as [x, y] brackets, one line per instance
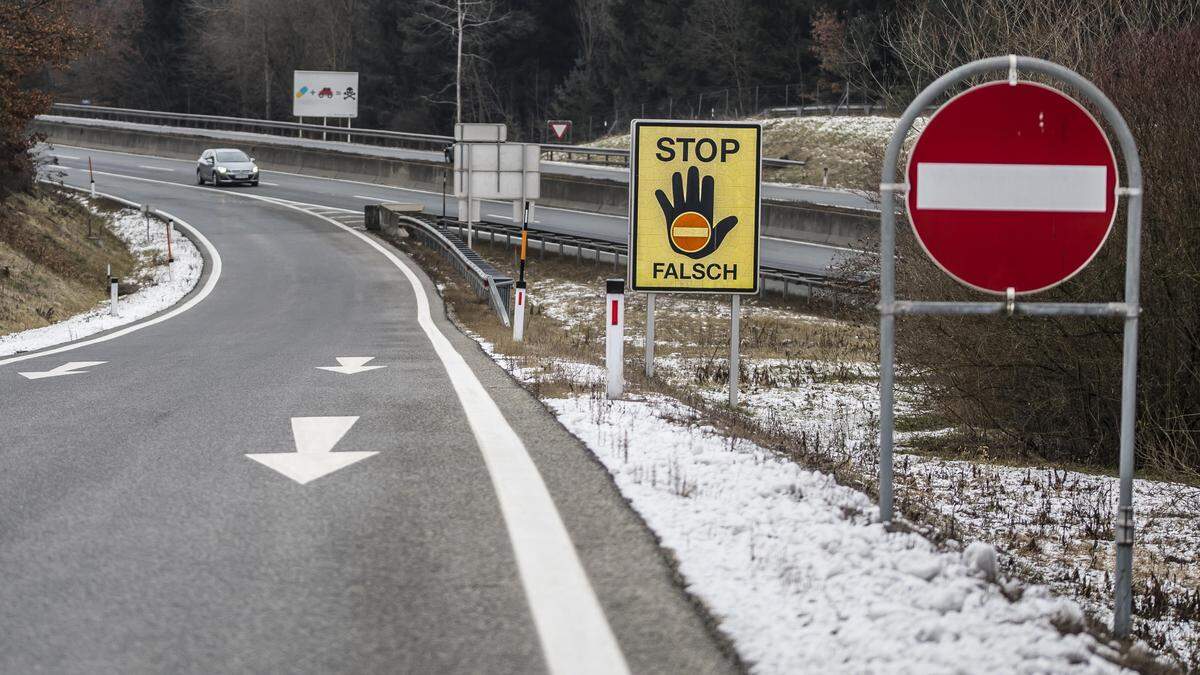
[232, 156]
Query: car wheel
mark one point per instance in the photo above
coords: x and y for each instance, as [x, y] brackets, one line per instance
[199, 177]
[216, 179]
[253, 183]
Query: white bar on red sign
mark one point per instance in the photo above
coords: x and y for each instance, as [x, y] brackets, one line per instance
[1012, 187]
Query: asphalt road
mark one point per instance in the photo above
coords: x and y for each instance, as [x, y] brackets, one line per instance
[137, 536]
[222, 138]
[786, 254]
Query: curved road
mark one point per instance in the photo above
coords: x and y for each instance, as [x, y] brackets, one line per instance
[804, 257]
[137, 536]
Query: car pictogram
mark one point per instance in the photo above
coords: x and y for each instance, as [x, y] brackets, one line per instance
[325, 93]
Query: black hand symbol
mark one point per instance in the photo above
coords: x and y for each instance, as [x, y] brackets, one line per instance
[698, 199]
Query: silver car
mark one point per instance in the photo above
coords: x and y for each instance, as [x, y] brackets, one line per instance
[221, 166]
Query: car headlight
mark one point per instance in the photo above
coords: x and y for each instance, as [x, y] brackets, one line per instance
[221, 169]
[253, 169]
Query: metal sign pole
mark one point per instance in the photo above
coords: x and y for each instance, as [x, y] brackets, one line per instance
[449, 154]
[735, 311]
[649, 335]
[1129, 309]
[522, 292]
[470, 201]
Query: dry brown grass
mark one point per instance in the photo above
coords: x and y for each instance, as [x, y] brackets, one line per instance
[49, 268]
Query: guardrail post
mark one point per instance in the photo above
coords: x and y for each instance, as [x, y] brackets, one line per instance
[614, 317]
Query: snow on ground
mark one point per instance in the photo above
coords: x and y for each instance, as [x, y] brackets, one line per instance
[839, 151]
[809, 383]
[163, 287]
[797, 568]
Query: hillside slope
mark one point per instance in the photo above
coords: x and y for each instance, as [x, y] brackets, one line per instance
[50, 268]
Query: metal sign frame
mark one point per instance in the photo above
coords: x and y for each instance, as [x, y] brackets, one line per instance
[1128, 309]
[631, 272]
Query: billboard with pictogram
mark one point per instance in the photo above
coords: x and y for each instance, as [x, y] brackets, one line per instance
[694, 206]
[324, 94]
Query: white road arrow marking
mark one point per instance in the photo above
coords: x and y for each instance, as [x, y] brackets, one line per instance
[314, 456]
[72, 368]
[351, 365]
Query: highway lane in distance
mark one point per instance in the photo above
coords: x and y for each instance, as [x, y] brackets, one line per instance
[795, 256]
[137, 535]
[221, 138]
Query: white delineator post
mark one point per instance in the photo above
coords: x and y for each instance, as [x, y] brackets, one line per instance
[112, 295]
[519, 314]
[614, 318]
[91, 178]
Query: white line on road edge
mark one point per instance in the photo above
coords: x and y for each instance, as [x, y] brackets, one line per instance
[155, 168]
[573, 631]
[180, 309]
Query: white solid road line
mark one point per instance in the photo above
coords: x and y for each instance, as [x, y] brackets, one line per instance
[375, 199]
[154, 168]
[61, 156]
[196, 299]
[314, 456]
[263, 182]
[571, 625]
[810, 243]
[72, 368]
[573, 631]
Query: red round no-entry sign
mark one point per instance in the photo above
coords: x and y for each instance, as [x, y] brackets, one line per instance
[1012, 186]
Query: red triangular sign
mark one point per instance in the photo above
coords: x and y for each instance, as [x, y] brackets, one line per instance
[559, 129]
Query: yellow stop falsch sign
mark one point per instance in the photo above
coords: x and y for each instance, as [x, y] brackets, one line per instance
[694, 206]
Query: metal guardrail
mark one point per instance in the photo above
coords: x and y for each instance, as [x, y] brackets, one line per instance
[599, 250]
[448, 238]
[376, 137]
[489, 284]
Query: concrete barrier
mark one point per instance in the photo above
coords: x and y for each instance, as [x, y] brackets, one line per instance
[786, 220]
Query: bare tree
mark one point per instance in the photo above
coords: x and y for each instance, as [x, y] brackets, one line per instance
[592, 19]
[463, 19]
[932, 37]
[727, 31]
[257, 44]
